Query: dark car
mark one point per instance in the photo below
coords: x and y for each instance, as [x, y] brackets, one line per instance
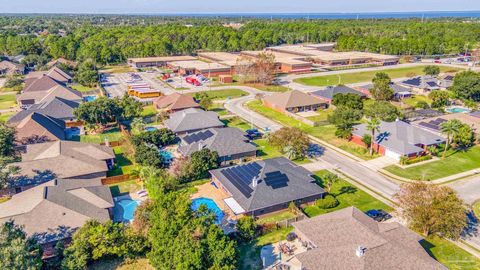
[378, 215]
[253, 134]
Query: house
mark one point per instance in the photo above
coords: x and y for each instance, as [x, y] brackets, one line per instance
[399, 92]
[398, 139]
[328, 93]
[45, 89]
[175, 102]
[348, 239]
[422, 84]
[53, 210]
[62, 159]
[265, 186]
[293, 101]
[54, 72]
[11, 68]
[46, 121]
[231, 144]
[192, 120]
[61, 61]
[433, 124]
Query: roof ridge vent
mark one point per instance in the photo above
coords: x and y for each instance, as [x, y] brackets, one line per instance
[360, 252]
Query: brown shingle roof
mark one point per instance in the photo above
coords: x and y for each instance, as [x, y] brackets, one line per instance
[292, 99]
[337, 236]
[175, 102]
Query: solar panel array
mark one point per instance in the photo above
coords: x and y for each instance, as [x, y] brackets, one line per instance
[241, 176]
[415, 81]
[198, 136]
[433, 124]
[432, 84]
[276, 179]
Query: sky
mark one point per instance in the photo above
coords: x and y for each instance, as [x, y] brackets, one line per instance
[233, 6]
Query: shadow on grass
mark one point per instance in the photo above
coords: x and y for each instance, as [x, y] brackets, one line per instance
[428, 247]
[249, 256]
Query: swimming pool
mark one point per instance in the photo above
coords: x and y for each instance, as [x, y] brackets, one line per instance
[211, 205]
[89, 98]
[457, 110]
[150, 128]
[124, 210]
[167, 156]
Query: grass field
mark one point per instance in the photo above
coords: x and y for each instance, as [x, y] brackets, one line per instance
[348, 195]
[149, 111]
[266, 151]
[123, 165]
[455, 162]
[449, 254]
[111, 135]
[222, 94]
[269, 88]
[5, 116]
[412, 101]
[121, 264]
[237, 122]
[325, 133]
[276, 217]
[7, 101]
[116, 69]
[365, 76]
[82, 88]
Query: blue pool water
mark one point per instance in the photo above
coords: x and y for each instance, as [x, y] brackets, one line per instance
[458, 110]
[166, 156]
[124, 210]
[211, 205]
[150, 128]
[89, 98]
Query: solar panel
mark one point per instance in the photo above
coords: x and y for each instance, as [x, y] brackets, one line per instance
[237, 182]
[276, 179]
[198, 136]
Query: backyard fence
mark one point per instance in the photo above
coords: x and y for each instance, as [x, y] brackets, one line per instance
[112, 144]
[117, 179]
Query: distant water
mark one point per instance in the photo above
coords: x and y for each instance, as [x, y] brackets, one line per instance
[376, 15]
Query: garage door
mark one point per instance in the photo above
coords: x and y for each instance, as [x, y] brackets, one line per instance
[392, 154]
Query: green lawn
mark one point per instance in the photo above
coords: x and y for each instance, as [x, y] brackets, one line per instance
[276, 217]
[7, 101]
[121, 264]
[124, 188]
[270, 88]
[322, 116]
[82, 88]
[5, 116]
[476, 208]
[123, 165]
[237, 122]
[111, 135]
[348, 195]
[219, 109]
[450, 255]
[116, 69]
[365, 76]
[222, 94]
[325, 132]
[455, 162]
[266, 151]
[149, 111]
[412, 101]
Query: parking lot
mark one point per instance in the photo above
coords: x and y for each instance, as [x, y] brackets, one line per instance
[116, 84]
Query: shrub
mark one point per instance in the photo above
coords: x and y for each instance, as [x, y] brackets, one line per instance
[327, 202]
[422, 105]
[247, 228]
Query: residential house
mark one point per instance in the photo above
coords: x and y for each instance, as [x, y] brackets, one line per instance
[399, 92]
[433, 124]
[265, 186]
[423, 84]
[54, 72]
[348, 239]
[175, 102]
[61, 61]
[53, 210]
[45, 121]
[11, 68]
[231, 144]
[293, 101]
[328, 93]
[62, 159]
[45, 89]
[398, 139]
[192, 120]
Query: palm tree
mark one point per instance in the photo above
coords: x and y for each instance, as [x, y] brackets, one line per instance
[449, 128]
[373, 125]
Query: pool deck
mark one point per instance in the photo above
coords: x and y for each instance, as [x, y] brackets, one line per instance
[207, 190]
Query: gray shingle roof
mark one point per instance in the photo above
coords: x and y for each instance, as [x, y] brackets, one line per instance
[292, 99]
[330, 91]
[53, 210]
[58, 108]
[225, 141]
[279, 181]
[423, 82]
[397, 89]
[400, 137]
[337, 235]
[192, 119]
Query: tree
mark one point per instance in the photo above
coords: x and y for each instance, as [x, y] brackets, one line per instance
[449, 128]
[6, 171]
[382, 110]
[138, 125]
[466, 85]
[431, 70]
[148, 156]
[291, 141]
[344, 118]
[244, 68]
[439, 98]
[265, 67]
[95, 240]
[87, 73]
[367, 140]
[373, 125]
[381, 89]
[99, 112]
[158, 137]
[201, 162]
[349, 100]
[247, 228]
[464, 137]
[131, 108]
[329, 180]
[432, 209]
[16, 250]
[7, 140]
[141, 221]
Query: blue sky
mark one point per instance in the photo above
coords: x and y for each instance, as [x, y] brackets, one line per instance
[228, 6]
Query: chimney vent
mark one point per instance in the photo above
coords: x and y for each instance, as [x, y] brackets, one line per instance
[255, 181]
[360, 252]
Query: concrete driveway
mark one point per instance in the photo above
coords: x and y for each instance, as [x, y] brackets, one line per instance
[378, 163]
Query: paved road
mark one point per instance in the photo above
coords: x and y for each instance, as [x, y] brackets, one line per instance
[468, 189]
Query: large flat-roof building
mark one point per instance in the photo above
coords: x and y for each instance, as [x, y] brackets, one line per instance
[143, 62]
[193, 67]
[225, 58]
[284, 62]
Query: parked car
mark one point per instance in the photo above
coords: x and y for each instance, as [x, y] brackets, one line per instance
[253, 134]
[378, 215]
